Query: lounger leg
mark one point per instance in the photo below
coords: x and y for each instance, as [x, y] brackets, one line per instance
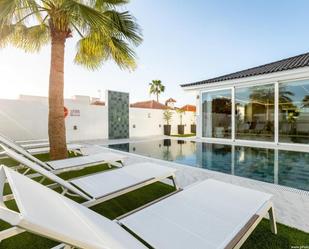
[64, 191]
[272, 220]
[62, 246]
[42, 180]
[26, 171]
[175, 182]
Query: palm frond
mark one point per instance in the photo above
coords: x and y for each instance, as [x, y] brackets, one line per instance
[103, 4]
[90, 51]
[126, 26]
[95, 49]
[122, 54]
[30, 39]
[86, 17]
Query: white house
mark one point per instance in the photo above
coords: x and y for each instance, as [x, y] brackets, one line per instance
[267, 105]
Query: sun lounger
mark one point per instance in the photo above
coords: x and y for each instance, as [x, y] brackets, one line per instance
[32, 141]
[66, 164]
[46, 212]
[89, 150]
[45, 149]
[102, 186]
[42, 146]
[210, 214]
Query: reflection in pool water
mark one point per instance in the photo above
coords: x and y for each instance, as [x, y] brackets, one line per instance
[287, 168]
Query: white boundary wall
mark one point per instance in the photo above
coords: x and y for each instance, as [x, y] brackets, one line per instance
[27, 118]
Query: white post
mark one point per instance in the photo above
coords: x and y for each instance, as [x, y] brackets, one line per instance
[233, 114]
[199, 115]
[276, 114]
[209, 117]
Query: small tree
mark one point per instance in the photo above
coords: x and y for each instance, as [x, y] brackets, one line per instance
[180, 113]
[167, 116]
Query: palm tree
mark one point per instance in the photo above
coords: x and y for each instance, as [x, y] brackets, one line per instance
[156, 88]
[104, 33]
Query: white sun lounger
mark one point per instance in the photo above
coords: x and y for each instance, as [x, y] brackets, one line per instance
[89, 150]
[211, 214]
[47, 213]
[42, 146]
[65, 164]
[45, 149]
[105, 185]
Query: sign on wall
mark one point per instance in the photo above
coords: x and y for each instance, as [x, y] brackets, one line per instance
[75, 113]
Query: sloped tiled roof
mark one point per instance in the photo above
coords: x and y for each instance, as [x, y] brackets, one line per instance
[151, 104]
[170, 100]
[277, 66]
[98, 102]
[189, 108]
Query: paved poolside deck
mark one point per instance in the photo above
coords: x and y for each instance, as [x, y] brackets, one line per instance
[291, 205]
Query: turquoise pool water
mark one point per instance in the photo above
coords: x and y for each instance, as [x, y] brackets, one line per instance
[286, 168]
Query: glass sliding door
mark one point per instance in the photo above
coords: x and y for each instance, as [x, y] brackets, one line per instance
[254, 113]
[217, 114]
[294, 112]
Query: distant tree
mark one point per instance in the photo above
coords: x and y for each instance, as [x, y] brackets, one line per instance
[266, 96]
[306, 101]
[180, 113]
[156, 88]
[222, 105]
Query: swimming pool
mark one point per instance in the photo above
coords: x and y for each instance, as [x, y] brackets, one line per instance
[286, 168]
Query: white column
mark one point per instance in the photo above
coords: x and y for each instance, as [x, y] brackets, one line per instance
[199, 114]
[233, 114]
[276, 114]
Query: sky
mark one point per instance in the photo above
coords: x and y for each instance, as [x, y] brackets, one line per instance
[184, 41]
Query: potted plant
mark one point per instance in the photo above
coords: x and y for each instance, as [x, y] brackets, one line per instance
[193, 126]
[167, 116]
[181, 127]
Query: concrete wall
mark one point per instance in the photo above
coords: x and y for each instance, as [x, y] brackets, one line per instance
[27, 118]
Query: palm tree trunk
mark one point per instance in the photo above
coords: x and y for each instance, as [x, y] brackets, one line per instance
[56, 123]
[157, 97]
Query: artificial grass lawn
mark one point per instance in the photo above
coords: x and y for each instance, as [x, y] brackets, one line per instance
[262, 238]
[43, 157]
[184, 135]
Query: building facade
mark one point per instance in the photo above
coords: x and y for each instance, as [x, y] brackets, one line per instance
[266, 105]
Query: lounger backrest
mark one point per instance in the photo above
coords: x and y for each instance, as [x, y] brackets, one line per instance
[32, 165]
[9, 143]
[47, 213]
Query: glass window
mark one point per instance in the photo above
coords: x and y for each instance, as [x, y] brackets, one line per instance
[216, 114]
[254, 113]
[294, 112]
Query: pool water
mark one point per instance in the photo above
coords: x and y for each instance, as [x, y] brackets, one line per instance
[286, 168]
